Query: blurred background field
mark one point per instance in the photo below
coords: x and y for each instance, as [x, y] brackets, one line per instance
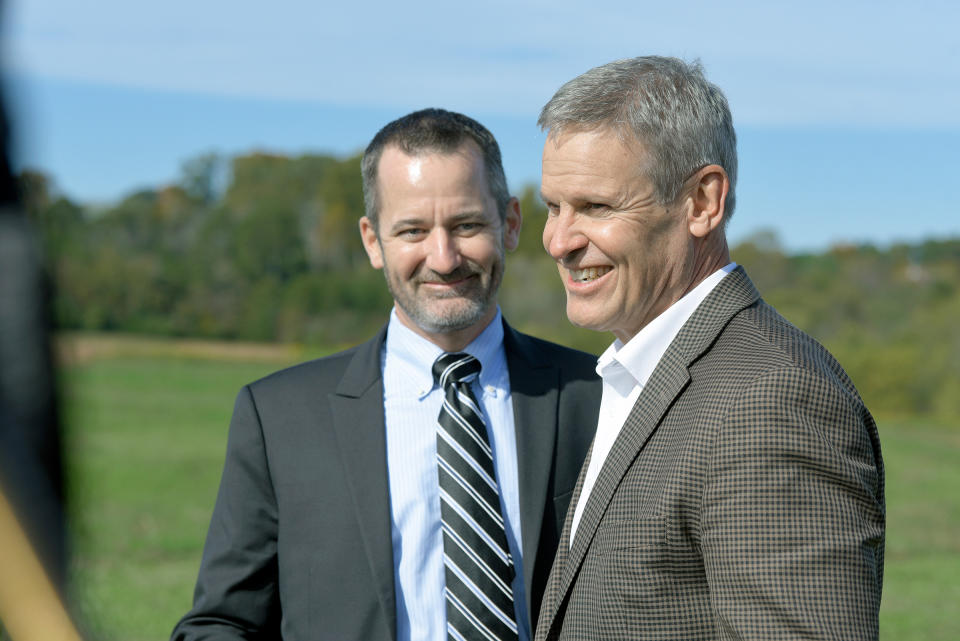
[146, 427]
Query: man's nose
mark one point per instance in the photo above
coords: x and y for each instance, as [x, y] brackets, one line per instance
[561, 234]
[443, 252]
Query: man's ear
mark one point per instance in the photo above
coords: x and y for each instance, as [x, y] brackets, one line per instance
[709, 197]
[371, 243]
[512, 222]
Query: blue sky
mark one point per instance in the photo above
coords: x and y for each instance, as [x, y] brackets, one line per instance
[848, 113]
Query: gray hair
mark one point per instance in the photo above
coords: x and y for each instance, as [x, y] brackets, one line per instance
[682, 121]
[435, 131]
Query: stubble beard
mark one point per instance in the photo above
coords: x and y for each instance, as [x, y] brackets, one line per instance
[440, 314]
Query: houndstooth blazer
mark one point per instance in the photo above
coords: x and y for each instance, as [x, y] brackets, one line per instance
[743, 498]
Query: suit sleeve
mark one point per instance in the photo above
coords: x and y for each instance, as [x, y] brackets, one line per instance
[793, 515]
[236, 594]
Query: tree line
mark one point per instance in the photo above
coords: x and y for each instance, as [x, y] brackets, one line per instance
[272, 253]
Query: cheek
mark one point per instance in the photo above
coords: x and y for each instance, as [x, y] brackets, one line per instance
[612, 237]
[404, 259]
[481, 249]
[630, 243]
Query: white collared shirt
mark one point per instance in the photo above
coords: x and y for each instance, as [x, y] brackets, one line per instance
[625, 369]
[411, 403]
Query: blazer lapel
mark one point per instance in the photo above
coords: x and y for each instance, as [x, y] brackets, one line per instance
[357, 411]
[553, 594]
[533, 389]
[732, 294]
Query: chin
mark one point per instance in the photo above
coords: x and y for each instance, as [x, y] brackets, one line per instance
[578, 321]
[452, 318]
[585, 321]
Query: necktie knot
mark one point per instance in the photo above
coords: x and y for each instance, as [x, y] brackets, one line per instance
[452, 368]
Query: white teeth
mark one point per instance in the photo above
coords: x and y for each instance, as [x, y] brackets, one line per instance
[588, 274]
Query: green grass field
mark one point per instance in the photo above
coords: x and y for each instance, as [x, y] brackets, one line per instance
[146, 432]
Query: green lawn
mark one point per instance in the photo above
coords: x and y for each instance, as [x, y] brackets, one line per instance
[145, 440]
[146, 436]
[921, 588]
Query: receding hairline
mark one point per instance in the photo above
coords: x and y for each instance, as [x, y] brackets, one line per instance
[468, 148]
[467, 144]
[623, 132]
[434, 131]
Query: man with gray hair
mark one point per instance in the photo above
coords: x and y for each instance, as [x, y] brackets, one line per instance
[735, 487]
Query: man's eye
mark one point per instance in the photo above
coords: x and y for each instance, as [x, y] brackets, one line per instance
[596, 206]
[552, 209]
[413, 232]
[469, 227]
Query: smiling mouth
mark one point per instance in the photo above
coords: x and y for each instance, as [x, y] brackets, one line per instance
[588, 274]
[454, 278]
[449, 282]
[450, 285]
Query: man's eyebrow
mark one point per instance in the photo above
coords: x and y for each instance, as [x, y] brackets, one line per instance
[415, 221]
[582, 199]
[471, 214]
[411, 221]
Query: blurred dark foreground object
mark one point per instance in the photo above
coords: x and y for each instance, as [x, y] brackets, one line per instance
[32, 533]
[30, 466]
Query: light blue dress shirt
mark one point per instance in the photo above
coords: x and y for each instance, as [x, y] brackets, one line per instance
[411, 404]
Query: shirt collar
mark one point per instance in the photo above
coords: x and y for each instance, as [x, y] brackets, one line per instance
[641, 354]
[417, 354]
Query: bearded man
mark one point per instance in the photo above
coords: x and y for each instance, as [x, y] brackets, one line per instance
[414, 486]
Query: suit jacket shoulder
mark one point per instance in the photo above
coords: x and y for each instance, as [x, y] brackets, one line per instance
[774, 342]
[351, 370]
[303, 499]
[583, 363]
[578, 375]
[563, 384]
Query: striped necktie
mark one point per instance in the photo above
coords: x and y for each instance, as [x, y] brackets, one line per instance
[478, 566]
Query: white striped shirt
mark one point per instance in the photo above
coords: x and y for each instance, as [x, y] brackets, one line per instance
[411, 406]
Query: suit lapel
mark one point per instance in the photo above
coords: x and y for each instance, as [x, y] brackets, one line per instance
[357, 411]
[533, 389]
[732, 294]
[553, 593]
[666, 382]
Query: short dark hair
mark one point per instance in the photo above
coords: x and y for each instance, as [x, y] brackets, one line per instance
[438, 131]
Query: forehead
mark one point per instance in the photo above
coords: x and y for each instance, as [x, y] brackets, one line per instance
[591, 164]
[430, 180]
[430, 168]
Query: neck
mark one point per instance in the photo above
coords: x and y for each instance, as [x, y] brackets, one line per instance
[710, 256]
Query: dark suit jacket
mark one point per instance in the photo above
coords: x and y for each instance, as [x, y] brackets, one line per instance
[300, 540]
[743, 498]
